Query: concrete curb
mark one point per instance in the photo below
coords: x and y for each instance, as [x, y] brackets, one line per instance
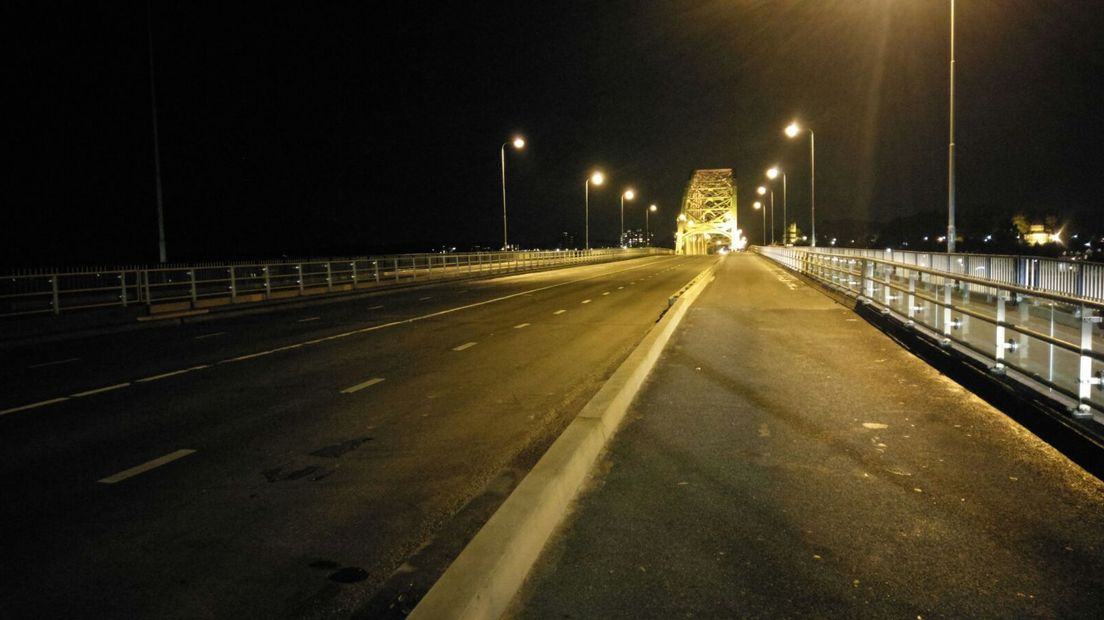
[484, 578]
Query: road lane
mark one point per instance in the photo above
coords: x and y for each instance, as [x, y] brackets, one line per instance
[294, 480]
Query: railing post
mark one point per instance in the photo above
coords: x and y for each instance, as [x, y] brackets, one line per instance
[948, 300]
[233, 286]
[123, 288]
[868, 279]
[56, 297]
[149, 297]
[396, 261]
[329, 277]
[912, 297]
[354, 276]
[192, 279]
[299, 269]
[268, 281]
[375, 267]
[1085, 378]
[998, 338]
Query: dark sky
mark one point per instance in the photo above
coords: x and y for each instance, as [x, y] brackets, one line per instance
[327, 128]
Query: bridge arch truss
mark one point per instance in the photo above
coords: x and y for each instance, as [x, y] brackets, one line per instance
[707, 220]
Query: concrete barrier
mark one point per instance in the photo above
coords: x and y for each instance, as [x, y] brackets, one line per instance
[487, 574]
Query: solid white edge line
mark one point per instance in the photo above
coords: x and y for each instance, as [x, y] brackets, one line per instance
[117, 386]
[41, 403]
[362, 385]
[171, 374]
[144, 467]
[55, 363]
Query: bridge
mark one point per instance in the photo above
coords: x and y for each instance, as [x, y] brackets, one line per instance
[708, 219]
[352, 456]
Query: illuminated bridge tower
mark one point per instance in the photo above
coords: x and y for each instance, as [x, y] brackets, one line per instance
[708, 217]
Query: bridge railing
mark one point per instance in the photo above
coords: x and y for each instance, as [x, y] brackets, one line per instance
[196, 286]
[1039, 334]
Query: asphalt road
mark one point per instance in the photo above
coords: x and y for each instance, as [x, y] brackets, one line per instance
[788, 460]
[288, 463]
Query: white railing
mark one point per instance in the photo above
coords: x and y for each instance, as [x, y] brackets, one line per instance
[1035, 319]
[190, 287]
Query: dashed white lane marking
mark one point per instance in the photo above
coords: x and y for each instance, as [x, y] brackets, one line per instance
[375, 307]
[559, 312]
[117, 386]
[55, 363]
[586, 301]
[308, 319]
[41, 403]
[144, 467]
[425, 298]
[466, 345]
[620, 287]
[361, 386]
[606, 293]
[171, 374]
[521, 325]
[204, 336]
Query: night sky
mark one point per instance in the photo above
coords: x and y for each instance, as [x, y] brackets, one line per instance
[349, 128]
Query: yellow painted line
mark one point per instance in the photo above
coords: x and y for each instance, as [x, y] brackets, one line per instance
[144, 467]
[466, 345]
[171, 374]
[41, 403]
[360, 386]
[117, 386]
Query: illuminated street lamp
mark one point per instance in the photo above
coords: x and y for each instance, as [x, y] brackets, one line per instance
[519, 143]
[759, 207]
[792, 130]
[629, 194]
[773, 174]
[597, 178]
[647, 229]
[762, 191]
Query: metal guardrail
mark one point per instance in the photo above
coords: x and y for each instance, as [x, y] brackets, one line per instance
[185, 287]
[1068, 277]
[1049, 339]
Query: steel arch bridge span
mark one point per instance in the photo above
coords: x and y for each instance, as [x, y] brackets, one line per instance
[707, 221]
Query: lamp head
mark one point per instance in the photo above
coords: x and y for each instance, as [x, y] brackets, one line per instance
[793, 129]
[597, 178]
[758, 205]
[772, 173]
[652, 208]
[629, 194]
[519, 142]
[761, 190]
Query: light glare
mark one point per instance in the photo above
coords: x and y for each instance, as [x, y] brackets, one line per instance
[519, 142]
[772, 173]
[762, 190]
[792, 129]
[629, 194]
[597, 178]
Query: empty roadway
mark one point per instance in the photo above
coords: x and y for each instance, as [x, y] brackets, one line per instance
[289, 462]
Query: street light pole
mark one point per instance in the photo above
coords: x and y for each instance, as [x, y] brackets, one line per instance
[647, 227]
[628, 193]
[518, 143]
[161, 252]
[951, 149]
[762, 191]
[759, 207]
[597, 177]
[792, 130]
